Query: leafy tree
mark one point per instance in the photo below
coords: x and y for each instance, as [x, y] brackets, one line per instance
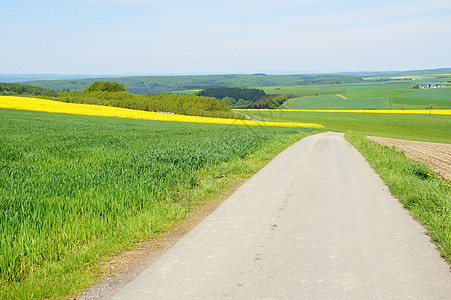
[270, 101]
[230, 101]
[179, 104]
[105, 86]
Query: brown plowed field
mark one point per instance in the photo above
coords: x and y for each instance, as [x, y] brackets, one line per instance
[436, 155]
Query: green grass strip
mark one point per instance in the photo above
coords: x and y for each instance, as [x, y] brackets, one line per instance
[426, 196]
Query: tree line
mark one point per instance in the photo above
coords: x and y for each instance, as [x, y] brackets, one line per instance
[330, 79]
[268, 102]
[14, 89]
[114, 94]
[245, 97]
[164, 84]
[234, 96]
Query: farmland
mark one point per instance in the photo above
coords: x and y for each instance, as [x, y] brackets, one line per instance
[76, 189]
[434, 128]
[436, 155]
[35, 104]
[375, 95]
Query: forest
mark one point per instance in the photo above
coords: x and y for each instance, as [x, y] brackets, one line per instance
[162, 84]
[330, 79]
[245, 97]
[234, 96]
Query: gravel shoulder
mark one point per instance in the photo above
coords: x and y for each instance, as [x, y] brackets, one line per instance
[436, 155]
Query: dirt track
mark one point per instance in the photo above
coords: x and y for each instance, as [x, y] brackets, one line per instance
[437, 156]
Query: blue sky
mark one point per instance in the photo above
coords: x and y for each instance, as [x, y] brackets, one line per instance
[235, 36]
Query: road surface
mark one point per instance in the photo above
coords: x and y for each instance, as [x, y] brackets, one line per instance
[315, 223]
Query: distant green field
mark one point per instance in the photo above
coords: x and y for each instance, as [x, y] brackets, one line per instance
[301, 91]
[336, 102]
[438, 93]
[418, 103]
[312, 101]
[373, 95]
[365, 103]
[435, 128]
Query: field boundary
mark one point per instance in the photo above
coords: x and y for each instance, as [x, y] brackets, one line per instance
[364, 111]
[42, 105]
[436, 155]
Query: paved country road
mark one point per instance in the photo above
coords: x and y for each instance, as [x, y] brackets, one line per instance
[315, 223]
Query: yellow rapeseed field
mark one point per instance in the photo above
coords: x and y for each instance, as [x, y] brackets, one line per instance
[381, 111]
[35, 104]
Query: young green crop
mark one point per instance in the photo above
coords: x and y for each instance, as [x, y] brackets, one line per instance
[70, 183]
[434, 128]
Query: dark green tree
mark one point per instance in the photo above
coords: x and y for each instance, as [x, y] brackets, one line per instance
[242, 96]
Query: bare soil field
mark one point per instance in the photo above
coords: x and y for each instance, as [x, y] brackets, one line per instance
[436, 155]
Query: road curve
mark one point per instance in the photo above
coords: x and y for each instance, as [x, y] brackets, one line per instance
[315, 223]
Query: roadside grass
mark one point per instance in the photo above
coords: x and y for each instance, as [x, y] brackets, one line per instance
[76, 190]
[426, 196]
[434, 128]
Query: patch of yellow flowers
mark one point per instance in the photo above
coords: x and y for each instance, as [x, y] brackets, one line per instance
[369, 111]
[35, 104]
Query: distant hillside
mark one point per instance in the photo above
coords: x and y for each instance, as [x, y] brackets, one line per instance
[161, 84]
[416, 72]
[383, 74]
[33, 77]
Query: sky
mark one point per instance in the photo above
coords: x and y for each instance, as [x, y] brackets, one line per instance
[131, 37]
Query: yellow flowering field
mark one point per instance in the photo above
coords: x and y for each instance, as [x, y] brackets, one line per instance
[35, 104]
[381, 111]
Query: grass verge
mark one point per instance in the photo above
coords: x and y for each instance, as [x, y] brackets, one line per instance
[426, 196]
